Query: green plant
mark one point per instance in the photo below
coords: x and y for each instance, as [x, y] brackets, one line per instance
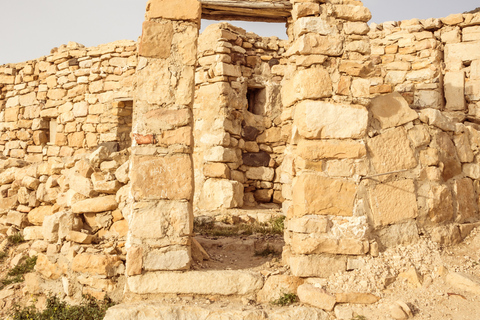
[286, 299]
[2, 255]
[278, 225]
[16, 238]
[16, 274]
[359, 318]
[89, 309]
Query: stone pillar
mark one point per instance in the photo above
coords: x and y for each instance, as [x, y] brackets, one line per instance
[325, 97]
[161, 220]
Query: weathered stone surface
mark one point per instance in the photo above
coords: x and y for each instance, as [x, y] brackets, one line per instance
[316, 297]
[134, 261]
[197, 282]
[318, 119]
[221, 193]
[337, 198]
[356, 297]
[159, 260]
[167, 9]
[440, 204]
[122, 173]
[391, 110]
[256, 159]
[221, 154]
[454, 82]
[312, 43]
[260, 173]
[161, 219]
[7, 204]
[464, 151]
[33, 233]
[330, 149]
[447, 155]
[16, 218]
[391, 151]
[276, 286]
[352, 12]
[316, 25]
[320, 243]
[412, 277]
[466, 204]
[100, 204]
[156, 39]
[321, 266]
[398, 234]
[47, 269]
[216, 170]
[393, 202]
[464, 281]
[81, 185]
[162, 177]
[309, 224]
[80, 237]
[297, 88]
[436, 118]
[466, 51]
[94, 264]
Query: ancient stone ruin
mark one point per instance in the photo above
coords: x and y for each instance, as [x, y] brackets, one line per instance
[363, 137]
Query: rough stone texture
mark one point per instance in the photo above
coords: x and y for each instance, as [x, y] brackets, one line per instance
[391, 110]
[256, 159]
[37, 215]
[356, 298]
[391, 151]
[398, 234]
[162, 177]
[462, 51]
[317, 119]
[466, 202]
[157, 260]
[221, 193]
[197, 282]
[95, 264]
[331, 149]
[95, 205]
[321, 266]
[276, 286]
[337, 198]
[318, 244]
[316, 297]
[167, 9]
[454, 82]
[464, 281]
[440, 204]
[393, 202]
[156, 39]
[447, 155]
[309, 224]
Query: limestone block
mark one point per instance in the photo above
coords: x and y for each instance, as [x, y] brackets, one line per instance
[471, 33]
[318, 119]
[158, 260]
[95, 205]
[464, 281]
[454, 82]
[80, 237]
[260, 173]
[16, 218]
[37, 215]
[391, 151]
[47, 269]
[475, 70]
[160, 219]
[81, 184]
[224, 282]
[321, 243]
[393, 202]
[278, 285]
[221, 154]
[392, 110]
[312, 43]
[94, 264]
[159, 120]
[464, 151]
[429, 157]
[50, 228]
[156, 39]
[120, 228]
[316, 25]
[435, 118]
[7, 176]
[472, 170]
[108, 187]
[472, 90]
[319, 85]
[316, 297]
[440, 204]
[28, 99]
[221, 193]
[465, 51]
[362, 47]
[447, 155]
[352, 12]
[305, 9]
[169, 177]
[174, 10]
[330, 149]
[466, 202]
[321, 266]
[399, 233]
[337, 198]
[134, 261]
[216, 170]
[153, 86]
[395, 77]
[356, 298]
[309, 224]
[227, 70]
[359, 28]
[30, 182]
[122, 173]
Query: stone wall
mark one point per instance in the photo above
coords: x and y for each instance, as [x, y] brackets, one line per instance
[238, 138]
[368, 136]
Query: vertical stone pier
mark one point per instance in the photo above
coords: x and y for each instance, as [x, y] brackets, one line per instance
[161, 221]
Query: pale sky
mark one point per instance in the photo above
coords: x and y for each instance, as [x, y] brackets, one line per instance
[30, 28]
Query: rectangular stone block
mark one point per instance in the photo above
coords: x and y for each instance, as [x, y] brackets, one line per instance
[169, 177]
[221, 193]
[471, 33]
[321, 266]
[393, 202]
[314, 194]
[472, 90]
[330, 149]
[163, 260]
[454, 82]
[465, 51]
[156, 39]
[320, 243]
[158, 120]
[174, 10]
[160, 219]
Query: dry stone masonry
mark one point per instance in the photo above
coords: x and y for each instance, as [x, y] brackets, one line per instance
[363, 136]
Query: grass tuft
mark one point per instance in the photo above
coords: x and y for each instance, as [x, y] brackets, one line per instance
[17, 238]
[286, 299]
[15, 275]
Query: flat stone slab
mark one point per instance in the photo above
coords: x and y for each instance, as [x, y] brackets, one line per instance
[222, 282]
[161, 311]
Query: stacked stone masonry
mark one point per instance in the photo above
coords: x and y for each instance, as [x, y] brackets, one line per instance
[365, 135]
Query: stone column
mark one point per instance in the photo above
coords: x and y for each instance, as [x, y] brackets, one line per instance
[325, 97]
[161, 220]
